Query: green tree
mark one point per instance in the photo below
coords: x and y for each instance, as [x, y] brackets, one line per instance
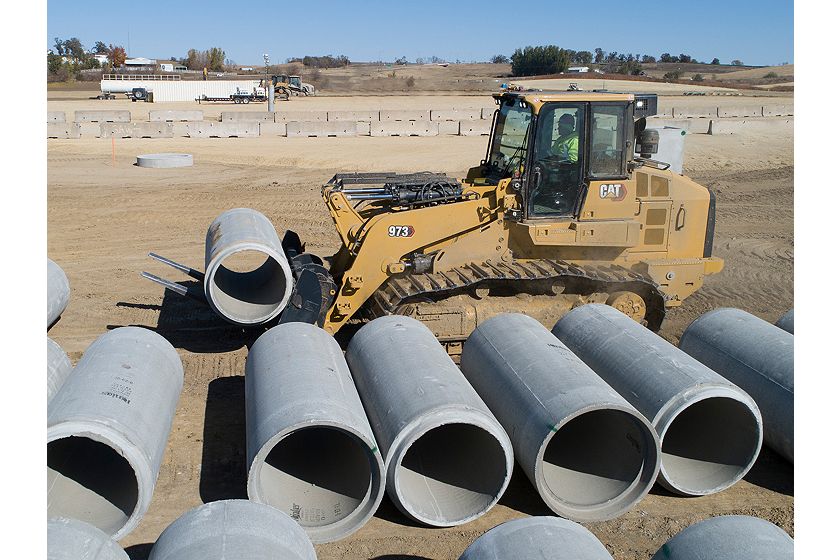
[73, 47]
[649, 59]
[499, 59]
[582, 57]
[100, 48]
[715, 61]
[533, 61]
[215, 59]
[599, 55]
[697, 78]
[737, 62]
[672, 76]
[53, 63]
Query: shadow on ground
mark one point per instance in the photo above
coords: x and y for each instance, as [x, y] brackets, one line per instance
[139, 551]
[223, 468]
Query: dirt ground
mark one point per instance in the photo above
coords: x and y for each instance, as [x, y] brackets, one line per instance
[104, 217]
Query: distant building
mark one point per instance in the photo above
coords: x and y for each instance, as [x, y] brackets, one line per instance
[578, 70]
[102, 58]
[246, 69]
[180, 68]
[167, 67]
[140, 62]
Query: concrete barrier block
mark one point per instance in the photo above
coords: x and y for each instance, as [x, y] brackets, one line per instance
[695, 112]
[487, 113]
[56, 117]
[405, 128]
[404, 115]
[136, 130]
[63, 130]
[739, 126]
[175, 116]
[353, 116]
[691, 126]
[208, 129]
[180, 129]
[777, 111]
[89, 129]
[746, 111]
[272, 129]
[102, 116]
[299, 116]
[250, 116]
[363, 128]
[449, 127]
[474, 128]
[456, 115]
[321, 128]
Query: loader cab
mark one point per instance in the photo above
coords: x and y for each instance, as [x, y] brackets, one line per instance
[553, 147]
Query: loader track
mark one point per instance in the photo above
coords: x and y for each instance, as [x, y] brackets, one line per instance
[525, 276]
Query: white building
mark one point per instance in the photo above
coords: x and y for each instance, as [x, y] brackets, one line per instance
[578, 70]
[102, 58]
[140, 62]
[167, 67]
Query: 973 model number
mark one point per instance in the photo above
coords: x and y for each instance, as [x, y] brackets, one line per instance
[400, 231]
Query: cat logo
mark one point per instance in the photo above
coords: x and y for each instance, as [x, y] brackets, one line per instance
[614, 191]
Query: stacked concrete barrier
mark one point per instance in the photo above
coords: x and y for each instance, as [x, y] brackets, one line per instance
[136, 130]
[447, 459]
[737, 126]
[56, 117]
[590, 455]
[777, 111]
[740, 111]
[537, 537]
[107, 429]
[58, 368]
[756, 356]
[320, 128]
[89, 129]
[102, 116]
[785, 322]
[733, 537]
[487, 112]
[404, 115]
[58, 292]
[238, 129]
[694, 112]
[450, 128]
[710, 430]
[311, 451]
[258, 294]
[71, 539]
[272, 129]
[473, 128]
[64, 130]
[251, 116]
[233, 529]
[404, 128]
[299, 116]
[353, 116]
[175, 116]
[455, 115]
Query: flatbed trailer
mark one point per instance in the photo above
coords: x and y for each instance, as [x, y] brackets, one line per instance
[234, 98]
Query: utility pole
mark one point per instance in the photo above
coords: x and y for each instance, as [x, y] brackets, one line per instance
[269, 87]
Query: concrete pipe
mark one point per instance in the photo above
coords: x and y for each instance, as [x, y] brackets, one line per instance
[71, 539]
[757, 357]
[730, 537]
[447, 459]
[786, 322]
[537, 537]
[311, 450]
[709, 429]
[58, 368]
[58, 292]
[107, 429]
[233, 529]
[248, 280]
[590, 455]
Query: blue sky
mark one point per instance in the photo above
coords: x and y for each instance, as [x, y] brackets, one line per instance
[758, 33]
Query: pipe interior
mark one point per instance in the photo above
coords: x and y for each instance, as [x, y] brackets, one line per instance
[318, 475]
[248, 285]
[452, 472]
[90, 481]
[709, 444]
[596, 457]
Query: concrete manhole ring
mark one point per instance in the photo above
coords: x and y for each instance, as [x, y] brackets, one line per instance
[165, 160]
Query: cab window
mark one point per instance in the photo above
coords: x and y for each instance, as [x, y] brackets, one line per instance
[558, 160]
[607, 155]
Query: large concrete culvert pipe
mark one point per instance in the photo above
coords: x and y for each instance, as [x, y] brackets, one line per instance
[71, 539]
[233, 529]
[247, 278]
[785, 322]
[58, 368]
[728, 537]
[757, 357]
[311, 450]
[447, 459]
[709, 429]
[537, 537]
[58, 292]
[590, 455]
[107, 429]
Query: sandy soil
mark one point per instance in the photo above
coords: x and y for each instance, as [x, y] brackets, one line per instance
[104, 217]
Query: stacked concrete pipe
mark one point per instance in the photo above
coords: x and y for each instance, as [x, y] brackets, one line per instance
[58, 292]
[590, 455]
[107, 429]
[729, 537]
[757, 357]
[237, 290]
[71, 539]
[447, 459]
[537, 537]
[785, 322]
[231, 529]
[710, 430]
[311, 450]
[58, 368]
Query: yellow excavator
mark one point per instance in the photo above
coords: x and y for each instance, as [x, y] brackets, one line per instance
[569, 206]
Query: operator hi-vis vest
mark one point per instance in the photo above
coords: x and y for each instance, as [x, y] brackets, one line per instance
[566, 147]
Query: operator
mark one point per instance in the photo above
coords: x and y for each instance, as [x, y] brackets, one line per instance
[566, 143]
